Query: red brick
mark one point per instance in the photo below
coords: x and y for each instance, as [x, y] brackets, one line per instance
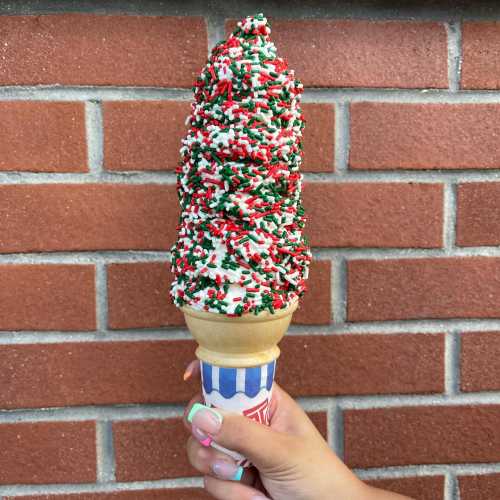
[319, 419]
[43, 136]
[138, 295]
[315, 306]
[478, 214]
[167, 494]
[143, 135]
[359, 364]
[359, 214]
[479, 487]
[480, 53]
[387, 136]
[47, 296]
[47, 452]
[146, 135]
[88, 216]
[156, 449]
[107, 373]
[420, 487]
[421, 435]
[93, 373]
[392, 289]
[88, 49]
[318, 138]
[73, 374]
[150, 450]
[480, 361]
[347, 53]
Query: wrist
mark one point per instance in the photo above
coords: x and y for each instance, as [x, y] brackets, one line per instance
[340, 483]
[378, 494]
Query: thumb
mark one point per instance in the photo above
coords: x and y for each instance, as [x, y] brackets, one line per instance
[263, 446]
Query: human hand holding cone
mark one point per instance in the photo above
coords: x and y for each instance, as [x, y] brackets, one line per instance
[241, 261]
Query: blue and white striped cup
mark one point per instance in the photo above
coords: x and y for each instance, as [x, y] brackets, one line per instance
[246, 391]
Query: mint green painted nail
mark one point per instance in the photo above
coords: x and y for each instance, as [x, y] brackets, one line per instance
[197, 407]
[238, 475]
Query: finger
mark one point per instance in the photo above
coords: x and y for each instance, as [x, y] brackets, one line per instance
[198, 398]
[286, 415]
[192, 370]
[229, 490]
[263, 446]
[212, 462]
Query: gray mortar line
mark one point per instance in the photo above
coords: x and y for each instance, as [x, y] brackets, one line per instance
[404, 96]
[452, 363]
[132, 335]
[369, 253]
[54, 489]
[215, 29]
[157, 411]
[105, 177]
[454, 32]
[449, 216]
[58, 92]
[105, 452]
[429, 176]
[427, 470]
[382, 328]
[342, 139]
[335, 95]
[415, 400]
[103, 415]
[336, 428]
[451, 488]
[339, 290]
[127, 256]
[101, 298]
[295, 9]
[86, 257]
[95, 137]
[372, 253]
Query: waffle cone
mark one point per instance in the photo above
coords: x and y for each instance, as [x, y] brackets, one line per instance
[240, 341]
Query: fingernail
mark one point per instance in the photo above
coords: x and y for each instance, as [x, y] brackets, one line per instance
[189, 370]
[227, 470]
[201, 436]
[259, 497]
[205, 418]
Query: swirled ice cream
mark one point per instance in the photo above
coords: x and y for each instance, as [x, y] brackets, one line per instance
[240, 245]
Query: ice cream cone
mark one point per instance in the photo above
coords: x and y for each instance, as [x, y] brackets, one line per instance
[238, 341]
[241, 254]
[238, 359]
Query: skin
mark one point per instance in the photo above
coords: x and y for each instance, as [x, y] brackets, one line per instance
[291, 459]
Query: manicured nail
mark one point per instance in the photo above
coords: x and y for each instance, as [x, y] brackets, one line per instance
[203, 438]
[260, 497]
[205, 418]
[189, 370]
[227, 470]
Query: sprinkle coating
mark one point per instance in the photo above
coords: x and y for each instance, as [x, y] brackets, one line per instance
[240, 245]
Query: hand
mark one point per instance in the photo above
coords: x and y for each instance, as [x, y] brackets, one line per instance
[291, 460]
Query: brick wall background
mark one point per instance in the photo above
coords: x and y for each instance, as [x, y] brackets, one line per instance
[396, 349]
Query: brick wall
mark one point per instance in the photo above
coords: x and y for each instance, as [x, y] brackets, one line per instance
[395, 351]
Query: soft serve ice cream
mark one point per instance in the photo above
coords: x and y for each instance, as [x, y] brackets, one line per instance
[240, 246]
